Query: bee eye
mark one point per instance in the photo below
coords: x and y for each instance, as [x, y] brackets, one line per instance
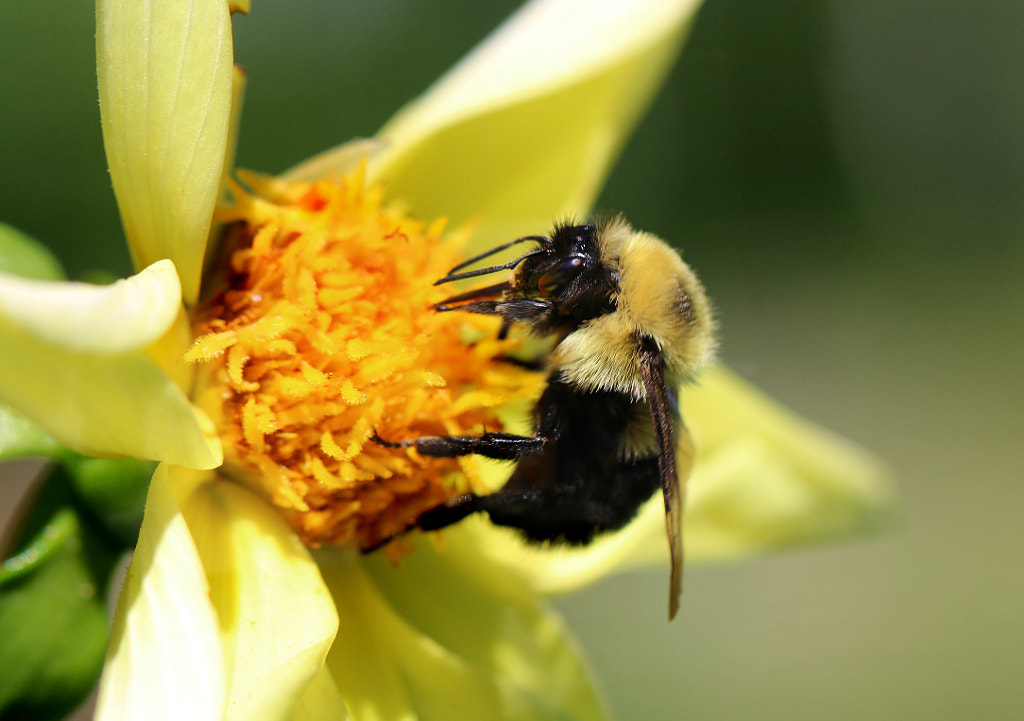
[550, 282]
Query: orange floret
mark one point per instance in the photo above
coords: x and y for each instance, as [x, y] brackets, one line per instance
[325, 333]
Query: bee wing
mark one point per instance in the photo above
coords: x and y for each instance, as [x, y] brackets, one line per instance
[665, 421]
[683, 454]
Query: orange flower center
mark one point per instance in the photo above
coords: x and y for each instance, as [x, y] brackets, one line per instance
[323, 333]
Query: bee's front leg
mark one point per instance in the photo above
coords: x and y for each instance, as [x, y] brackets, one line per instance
[500, 446]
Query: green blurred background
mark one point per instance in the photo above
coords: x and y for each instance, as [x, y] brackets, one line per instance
[848, 178]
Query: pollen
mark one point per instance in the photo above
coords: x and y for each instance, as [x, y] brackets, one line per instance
[322, 334]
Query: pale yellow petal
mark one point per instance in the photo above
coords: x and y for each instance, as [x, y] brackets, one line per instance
[423, 641]
[277, 619]
[526, 127]
[214, 252]
[169, 351]
[767, 478]
[508, 562]
[362, 662]
[340, 159]
[164, 71]
[105, 319]
[764, 479]
[75, 362]
[238, 84]
[322, 700]
[164, 659]
[120, 405]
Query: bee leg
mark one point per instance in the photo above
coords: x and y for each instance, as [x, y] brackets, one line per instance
[512, 310]
[535, 364]
[500, 446]
[451, 512]
[436, 518]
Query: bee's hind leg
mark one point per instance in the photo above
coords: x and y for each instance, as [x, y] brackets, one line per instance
[500, 446]
[451, 512]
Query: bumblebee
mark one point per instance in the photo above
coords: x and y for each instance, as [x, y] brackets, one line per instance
[630, 323]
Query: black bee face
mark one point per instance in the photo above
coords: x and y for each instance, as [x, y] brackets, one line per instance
[567, 273]
[554, 287]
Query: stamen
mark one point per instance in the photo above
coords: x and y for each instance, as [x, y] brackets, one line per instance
[325, 333]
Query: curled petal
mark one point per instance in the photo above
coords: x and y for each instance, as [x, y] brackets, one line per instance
[165, 76]
[76, 363]
[109, 319]
[164, 659]
[277, 620]
[525, 128]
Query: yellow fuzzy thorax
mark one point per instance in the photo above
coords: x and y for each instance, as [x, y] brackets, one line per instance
[659, 297]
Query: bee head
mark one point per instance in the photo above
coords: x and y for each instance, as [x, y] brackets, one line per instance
[567, 272]
[559, 284]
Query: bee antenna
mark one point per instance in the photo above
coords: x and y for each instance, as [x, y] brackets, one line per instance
[492, 269]
[452, 275]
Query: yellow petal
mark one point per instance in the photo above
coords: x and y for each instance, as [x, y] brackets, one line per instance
[767, 478]
[76, 363]
[512, 566]
[764, 479]
[164, 660]
[277, 619]
[169, 351]
[423, 641]
[214, 251]
[322, 700]
[164, 72]
[238, 83]
[340, 159]
[525, 128]
[109, 319]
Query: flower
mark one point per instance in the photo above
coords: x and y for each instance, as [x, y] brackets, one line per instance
[225, 611]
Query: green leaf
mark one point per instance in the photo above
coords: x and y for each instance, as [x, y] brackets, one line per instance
[20, 437]
[23, 255]
[53, 619]
[114, 491]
